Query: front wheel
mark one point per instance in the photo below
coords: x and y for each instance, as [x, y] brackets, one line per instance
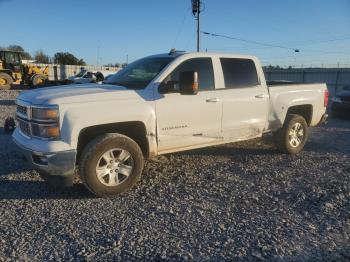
[5, 81]
[111, 164]
[291, 138]
[39, 80]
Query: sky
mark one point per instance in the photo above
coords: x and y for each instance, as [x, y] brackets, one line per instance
[109, 31]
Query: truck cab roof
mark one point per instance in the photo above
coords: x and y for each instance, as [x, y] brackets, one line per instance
[10, 51]
[176, 54]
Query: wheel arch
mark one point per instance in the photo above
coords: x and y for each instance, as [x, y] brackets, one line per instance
[305, 111]
[136, 130]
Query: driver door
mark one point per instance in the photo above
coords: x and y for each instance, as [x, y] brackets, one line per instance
[186, 121]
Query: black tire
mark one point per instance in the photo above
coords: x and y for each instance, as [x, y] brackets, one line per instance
[10, 125]
[99, 77]
[39, 80]
[92, 154]
[283, 139]
[5, 81]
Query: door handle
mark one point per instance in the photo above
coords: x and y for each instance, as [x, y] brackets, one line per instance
[260, 96]
[212, 100]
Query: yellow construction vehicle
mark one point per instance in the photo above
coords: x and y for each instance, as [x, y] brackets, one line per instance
[14, 72]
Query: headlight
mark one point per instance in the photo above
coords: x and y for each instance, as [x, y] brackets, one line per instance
[46, 131]
[336, 99]
[45, 122]
[45, 114]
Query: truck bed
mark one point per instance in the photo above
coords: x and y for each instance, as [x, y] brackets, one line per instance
[285, 94]
[281, 82]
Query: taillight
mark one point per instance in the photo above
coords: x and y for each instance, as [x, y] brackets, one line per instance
[326, 98]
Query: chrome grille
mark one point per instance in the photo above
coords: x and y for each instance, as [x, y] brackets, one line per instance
[29, 126]
[22, 111]
[24, 127]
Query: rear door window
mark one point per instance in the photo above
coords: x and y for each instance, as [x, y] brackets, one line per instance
[239, 73]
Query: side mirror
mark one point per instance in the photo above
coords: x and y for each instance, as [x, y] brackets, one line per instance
[166, 87]
[188, 83]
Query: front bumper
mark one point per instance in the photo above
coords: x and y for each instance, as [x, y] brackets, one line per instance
[57, 168]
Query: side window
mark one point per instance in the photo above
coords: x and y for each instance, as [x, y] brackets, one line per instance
[88, 75]
[239, 73]
[12, 58]
[204, 68]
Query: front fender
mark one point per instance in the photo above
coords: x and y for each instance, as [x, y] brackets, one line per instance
[76, 117]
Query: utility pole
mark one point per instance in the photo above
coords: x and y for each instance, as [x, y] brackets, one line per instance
[196, 10]
[198, 32]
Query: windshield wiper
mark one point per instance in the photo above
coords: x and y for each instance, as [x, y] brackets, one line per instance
[129, 86]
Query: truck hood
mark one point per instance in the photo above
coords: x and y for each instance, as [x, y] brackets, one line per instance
[73, 78]
[78, 93]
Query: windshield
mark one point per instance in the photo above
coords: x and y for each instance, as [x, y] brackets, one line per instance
[140, 73]
[81, 73]
[12, 58]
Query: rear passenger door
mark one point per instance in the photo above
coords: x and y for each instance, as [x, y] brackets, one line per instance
[245, 100]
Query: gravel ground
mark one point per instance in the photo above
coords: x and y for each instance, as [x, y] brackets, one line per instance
[242, 202]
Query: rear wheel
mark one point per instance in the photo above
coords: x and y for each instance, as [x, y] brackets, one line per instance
[5, 81]
[291, 138]
[111, 164]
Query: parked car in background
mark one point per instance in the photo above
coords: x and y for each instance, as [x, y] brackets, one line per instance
[157, 105]
[341, 102]
[86, 76]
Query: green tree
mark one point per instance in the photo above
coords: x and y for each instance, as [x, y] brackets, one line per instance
[65, 58]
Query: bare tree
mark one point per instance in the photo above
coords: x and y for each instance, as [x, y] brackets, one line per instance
[41, 57]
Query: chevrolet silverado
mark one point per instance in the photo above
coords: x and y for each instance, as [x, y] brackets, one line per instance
[156, 105]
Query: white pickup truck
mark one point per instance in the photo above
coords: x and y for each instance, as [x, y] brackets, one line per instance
[157, 105]
[85, 76]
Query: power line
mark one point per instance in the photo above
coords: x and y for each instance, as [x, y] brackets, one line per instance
[307, 42]
[181, 26]
[326, 52]
[321, 40]
[307, 51]
[273, 45]
[250, 41]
